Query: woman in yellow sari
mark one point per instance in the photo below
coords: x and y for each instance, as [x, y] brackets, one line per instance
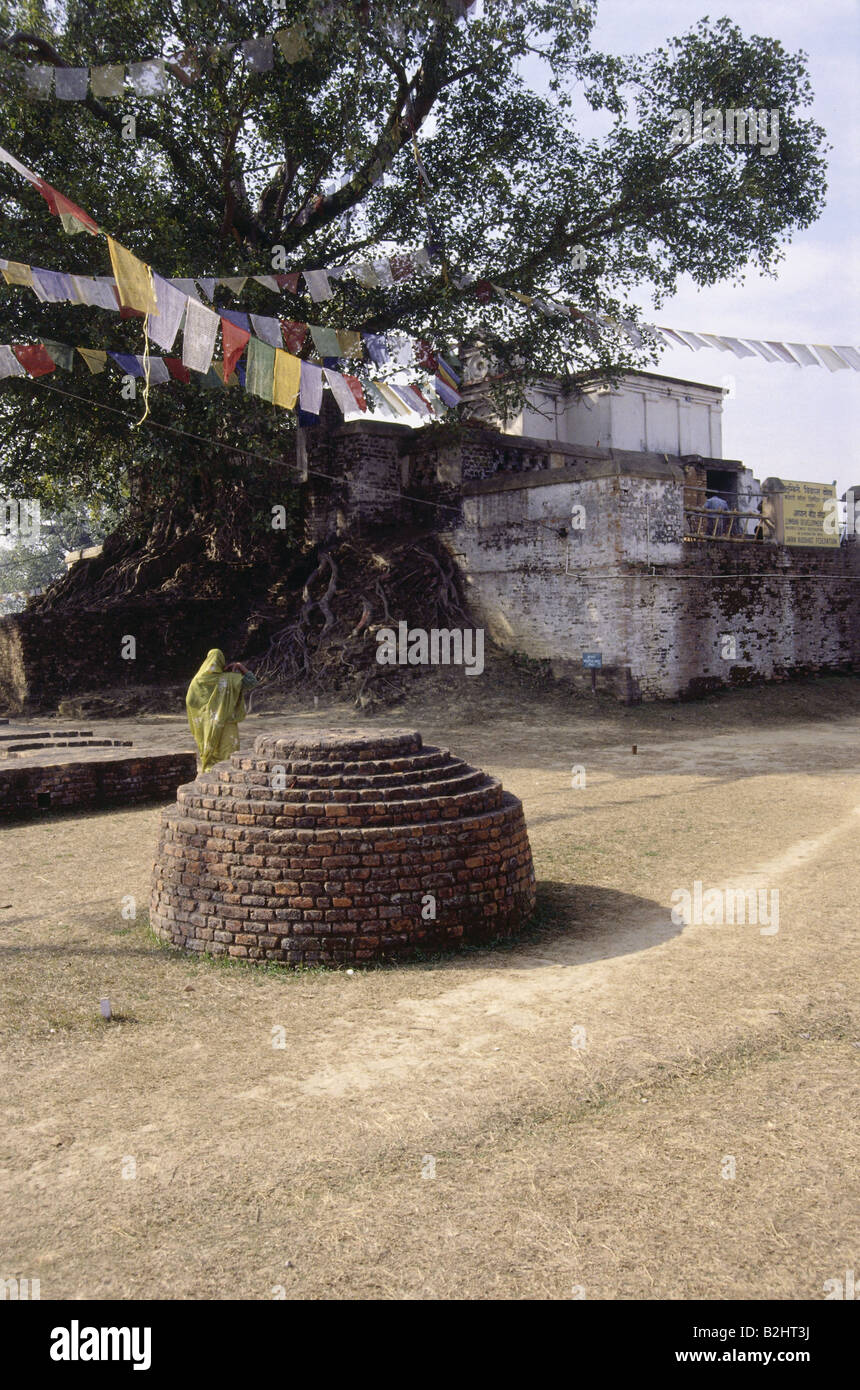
[215, 703]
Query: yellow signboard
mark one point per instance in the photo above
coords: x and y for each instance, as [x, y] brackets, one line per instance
[804, 513]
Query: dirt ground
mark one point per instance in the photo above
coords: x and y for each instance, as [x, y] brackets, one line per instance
[554, 1119]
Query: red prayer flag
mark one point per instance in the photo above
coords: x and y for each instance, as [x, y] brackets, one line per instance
[426, 357]
[289, 281]
[484, 291]
[355, 387]
[177, 369]
[59, 203]
[34, 359]
[234, 340]
[294, 335]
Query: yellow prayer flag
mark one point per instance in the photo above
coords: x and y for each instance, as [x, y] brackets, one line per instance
[15, 273]
[288, 375]
[350, 343]
[95, 359]
[133, 280]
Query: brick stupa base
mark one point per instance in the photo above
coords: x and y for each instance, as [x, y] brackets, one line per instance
[323, 848]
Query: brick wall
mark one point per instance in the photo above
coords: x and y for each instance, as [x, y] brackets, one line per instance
[99, 782]
[627, 585]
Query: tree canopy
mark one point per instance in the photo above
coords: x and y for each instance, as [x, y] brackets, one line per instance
[483, 165]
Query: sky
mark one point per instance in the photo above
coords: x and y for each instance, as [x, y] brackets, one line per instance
[782, 421]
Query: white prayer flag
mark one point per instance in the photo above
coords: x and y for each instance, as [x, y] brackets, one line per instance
[311, 388]
[170, 302]
[268, 329]
[188, 287]
[783, 353]
[804, 355]
[9, 364]
[831, 359]
[148, 79]
[341, 392]
[318, 285]
[198, 339]
[851, 355]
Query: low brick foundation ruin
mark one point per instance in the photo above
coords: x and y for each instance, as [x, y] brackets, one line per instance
[98, 781]
[338, 846]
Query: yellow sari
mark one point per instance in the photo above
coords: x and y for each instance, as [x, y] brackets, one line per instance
[215, 703]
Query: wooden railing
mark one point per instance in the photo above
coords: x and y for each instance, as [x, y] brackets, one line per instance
[702, 524]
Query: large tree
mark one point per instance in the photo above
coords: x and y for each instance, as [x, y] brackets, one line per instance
[222, 172]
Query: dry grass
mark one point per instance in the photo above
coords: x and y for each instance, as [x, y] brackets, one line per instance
[555, 1167]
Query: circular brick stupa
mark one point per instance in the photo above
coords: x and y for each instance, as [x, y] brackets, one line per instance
[340, 845]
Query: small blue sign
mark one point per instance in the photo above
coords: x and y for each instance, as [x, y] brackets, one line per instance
[592, 660]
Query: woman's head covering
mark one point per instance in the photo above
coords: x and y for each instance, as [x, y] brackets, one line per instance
[215, 703]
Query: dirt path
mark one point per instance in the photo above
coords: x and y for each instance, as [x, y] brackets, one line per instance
[576, 1096]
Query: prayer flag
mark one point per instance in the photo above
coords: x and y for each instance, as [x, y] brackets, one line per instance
[783, 354]
[234, 283]
[234, 316]
[349, 343]
[98, 292]
[850, 354]
[258, 54]
[268, 329]
[16, 273]
[95, 359]
[268, 282]
[288, 280]
[763, 350]
[148, 78]
[63, 207]
[234, 340]
[260, 371]
[198, 336]
[38, 77]
[177, 370]
[311, 389]
[294, 335]
[447, 373]
[318, 285]
[376, 348]
[127, 362]
[133, 279]
[341, 392]
[288, 375]
[445, 393]
[365, 274]
[170, 301]
[61, 353]
[375, 396]
[804, 355]
[70, 84]
[9, 364]
[355, 387]
[832, 361]
[325, 341]
[188, 287]
[33, 359]
[158, 373]
[108, 80]
[207, 285]
[293, 44]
